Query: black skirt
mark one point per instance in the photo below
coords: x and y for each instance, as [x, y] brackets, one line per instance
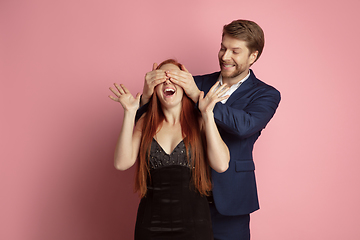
[172, 209]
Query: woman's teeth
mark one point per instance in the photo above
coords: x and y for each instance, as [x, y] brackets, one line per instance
[169, 91]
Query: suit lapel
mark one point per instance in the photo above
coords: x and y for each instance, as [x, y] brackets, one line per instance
[242, 89]
[208, 83]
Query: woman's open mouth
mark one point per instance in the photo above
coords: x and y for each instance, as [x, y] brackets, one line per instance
[169, 92]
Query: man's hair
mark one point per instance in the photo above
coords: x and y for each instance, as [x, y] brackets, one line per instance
[247, 31]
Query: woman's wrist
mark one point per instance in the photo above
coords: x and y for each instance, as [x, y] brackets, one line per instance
[130, 112]
[207, 115]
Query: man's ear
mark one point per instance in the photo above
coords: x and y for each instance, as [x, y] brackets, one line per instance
[253, 57]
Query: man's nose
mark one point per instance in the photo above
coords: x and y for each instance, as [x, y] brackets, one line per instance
[167, 81]
[226, 56]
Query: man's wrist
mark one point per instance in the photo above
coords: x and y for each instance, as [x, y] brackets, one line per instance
[195, 96]
[143, 100]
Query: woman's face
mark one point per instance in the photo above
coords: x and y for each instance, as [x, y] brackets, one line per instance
[167, 92]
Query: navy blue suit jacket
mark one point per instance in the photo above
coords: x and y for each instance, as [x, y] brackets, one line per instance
[240, 121]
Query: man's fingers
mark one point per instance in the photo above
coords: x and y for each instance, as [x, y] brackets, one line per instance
[157, 82]
[154, 66]
[178, 82]
[155, 75]
[184, 68]
[175, 74]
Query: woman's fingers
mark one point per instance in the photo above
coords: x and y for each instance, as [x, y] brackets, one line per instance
[114, 92]
[118, 92]
[126, 91]
[120, 88]
[113, 98]
[222, 90]
[218, 90]
[214, 87]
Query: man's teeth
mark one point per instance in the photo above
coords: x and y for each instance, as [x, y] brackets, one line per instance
[169, 90]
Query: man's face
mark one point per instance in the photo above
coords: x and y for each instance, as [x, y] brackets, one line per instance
[234, 59]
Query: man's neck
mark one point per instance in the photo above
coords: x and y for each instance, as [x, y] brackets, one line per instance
[235, 80]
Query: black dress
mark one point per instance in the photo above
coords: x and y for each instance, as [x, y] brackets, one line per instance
[172, 209]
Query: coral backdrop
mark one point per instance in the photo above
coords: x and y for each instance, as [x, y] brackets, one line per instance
[58, 128]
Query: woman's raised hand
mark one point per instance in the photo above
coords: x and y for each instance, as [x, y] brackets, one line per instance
[215, 94]
[124, 97]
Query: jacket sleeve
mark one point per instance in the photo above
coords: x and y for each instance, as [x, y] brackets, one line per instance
[247, 117]
[143, 109]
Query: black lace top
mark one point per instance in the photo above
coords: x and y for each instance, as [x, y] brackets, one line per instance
[159, 158]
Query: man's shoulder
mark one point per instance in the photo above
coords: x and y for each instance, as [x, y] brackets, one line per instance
[263, 86]
[209, 79]
[207, 76]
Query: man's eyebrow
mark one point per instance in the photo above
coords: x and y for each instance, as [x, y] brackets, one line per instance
[234, 48]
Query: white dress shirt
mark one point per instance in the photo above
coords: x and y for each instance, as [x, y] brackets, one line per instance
[233, 88]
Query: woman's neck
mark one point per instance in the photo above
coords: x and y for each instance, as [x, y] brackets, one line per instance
[172, 116]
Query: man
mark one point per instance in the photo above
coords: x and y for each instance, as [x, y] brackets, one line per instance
[240, 120]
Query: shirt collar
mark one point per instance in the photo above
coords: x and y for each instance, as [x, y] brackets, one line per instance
[238, 83]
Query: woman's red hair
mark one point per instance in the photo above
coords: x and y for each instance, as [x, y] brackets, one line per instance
[193, 140]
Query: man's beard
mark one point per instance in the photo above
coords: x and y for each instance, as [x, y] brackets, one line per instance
[238, 71]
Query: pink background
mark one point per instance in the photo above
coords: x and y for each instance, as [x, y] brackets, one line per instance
[58, 127]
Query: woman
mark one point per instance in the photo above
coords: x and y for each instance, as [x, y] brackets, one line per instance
[175, 145]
